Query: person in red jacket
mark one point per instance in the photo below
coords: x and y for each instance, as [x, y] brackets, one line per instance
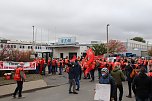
[19, 77]
[60, 66]
[42, 62]
[53, 66]
[49, 65]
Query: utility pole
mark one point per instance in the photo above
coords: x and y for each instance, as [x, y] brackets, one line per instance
[107, 40]
[33, 37]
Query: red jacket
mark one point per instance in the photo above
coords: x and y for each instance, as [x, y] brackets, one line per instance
[17, 76]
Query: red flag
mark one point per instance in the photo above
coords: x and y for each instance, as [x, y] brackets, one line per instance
[91, 67]
[90, 57]
[73, 59]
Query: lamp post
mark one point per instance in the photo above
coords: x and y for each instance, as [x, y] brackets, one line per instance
[33, 42]
[33, 35]
[147, 47]
[107, 40]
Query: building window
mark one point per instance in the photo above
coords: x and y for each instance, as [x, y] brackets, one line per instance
[31, 47]
[35, 47]
[8, 46]
[20, 46]
[23, 47]
[14, 46]
[1, 45]
[28, 47]
[11, 46]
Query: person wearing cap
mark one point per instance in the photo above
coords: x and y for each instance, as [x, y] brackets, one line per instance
[106, 78]
[141, 85]
[19, 77]
[118, 75]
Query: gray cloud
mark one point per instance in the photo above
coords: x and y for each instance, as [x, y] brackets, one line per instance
[85, 19]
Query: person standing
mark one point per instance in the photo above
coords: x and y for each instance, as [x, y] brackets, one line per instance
[150, 75]
[141, 85]
[72, 83]
[118, 75]
[77, 69]
[43, 66]
[56, 67]
[106, 78]
[49, 65]
[92, 71]
[60, 65]
[53, 66]
[19, 77]
[128, 70]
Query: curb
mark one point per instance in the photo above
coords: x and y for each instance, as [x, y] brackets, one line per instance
[33, 90]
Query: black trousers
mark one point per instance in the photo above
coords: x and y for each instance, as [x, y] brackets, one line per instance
[72, 83]
[129, 87]
[92, 74]
[53, 70]
[19, 89]
[120, 87]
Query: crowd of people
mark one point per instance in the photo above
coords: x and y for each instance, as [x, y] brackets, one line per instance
[136, 71]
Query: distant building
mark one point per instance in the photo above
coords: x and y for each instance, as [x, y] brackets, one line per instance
[40, 49]
[135, 48]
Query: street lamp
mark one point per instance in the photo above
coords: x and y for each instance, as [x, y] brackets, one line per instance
[33, 44]
[33, 35]
[107, 41]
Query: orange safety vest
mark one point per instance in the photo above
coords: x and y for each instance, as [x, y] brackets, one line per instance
[17, 76]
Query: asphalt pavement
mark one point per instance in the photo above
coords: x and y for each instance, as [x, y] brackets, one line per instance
[60, 92]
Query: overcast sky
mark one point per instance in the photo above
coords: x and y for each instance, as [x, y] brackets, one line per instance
[85, 19]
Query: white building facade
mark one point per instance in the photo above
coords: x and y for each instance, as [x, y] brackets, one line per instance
[67, 47]
[136, 48]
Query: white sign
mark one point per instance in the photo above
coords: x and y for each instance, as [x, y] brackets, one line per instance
[111, 59]
[102, 92]
[67, 40]
[7, 65]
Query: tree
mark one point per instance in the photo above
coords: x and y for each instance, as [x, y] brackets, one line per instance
[9, 54]
[139, 39]
[99, 49]
[116, 46]
[150, 52]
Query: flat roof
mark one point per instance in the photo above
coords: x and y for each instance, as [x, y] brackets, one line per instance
[60, 46]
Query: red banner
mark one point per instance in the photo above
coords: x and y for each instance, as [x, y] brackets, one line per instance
[7, 65]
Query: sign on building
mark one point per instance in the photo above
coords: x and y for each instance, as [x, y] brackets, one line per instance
[67, 40]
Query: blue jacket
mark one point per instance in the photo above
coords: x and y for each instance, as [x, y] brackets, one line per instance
[71, 72]
[109, 80]
[77, 69]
